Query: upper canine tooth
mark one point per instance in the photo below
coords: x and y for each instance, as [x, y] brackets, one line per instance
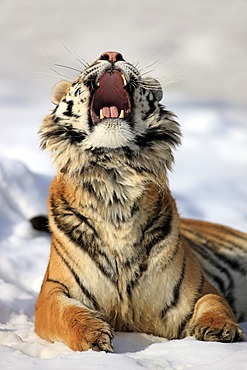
[121, 115]
[124, 79]
[101, 115]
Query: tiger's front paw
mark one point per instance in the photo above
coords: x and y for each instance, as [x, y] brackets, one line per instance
[217, 329]
[87, 331]
[103, 343]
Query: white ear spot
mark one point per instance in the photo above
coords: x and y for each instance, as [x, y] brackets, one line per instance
[59, 91]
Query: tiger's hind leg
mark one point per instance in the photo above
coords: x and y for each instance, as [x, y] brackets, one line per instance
[59, 317]
[213, 320]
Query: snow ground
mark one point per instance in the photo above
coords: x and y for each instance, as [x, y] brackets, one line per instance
[201, 47]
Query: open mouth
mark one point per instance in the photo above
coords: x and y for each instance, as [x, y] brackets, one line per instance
[111, 99]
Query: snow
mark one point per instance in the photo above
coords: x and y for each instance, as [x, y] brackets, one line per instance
[198, 51]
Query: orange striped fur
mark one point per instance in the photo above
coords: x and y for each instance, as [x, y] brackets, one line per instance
[121, 257]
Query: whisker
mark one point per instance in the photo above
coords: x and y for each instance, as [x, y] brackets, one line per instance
[147, 72]
[64, 66]
[170, 59]
[158, 66]
[49, 65]
[162, 52]
[46, 74]
[136, 64]
[58, 73]
[179, 77]
[152, 64]
[80, 60]
[150, 51]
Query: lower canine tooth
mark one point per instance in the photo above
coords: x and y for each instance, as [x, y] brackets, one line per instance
[121, 114]
[101, 115]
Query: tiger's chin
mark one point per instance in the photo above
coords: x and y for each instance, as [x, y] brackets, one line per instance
[111, 133]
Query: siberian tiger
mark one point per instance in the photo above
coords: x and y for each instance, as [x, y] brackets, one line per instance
[121, 257]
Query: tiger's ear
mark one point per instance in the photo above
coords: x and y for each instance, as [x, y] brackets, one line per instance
[59, 91]
[154, 86]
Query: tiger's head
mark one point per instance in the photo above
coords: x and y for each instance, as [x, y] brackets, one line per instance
[110, 110]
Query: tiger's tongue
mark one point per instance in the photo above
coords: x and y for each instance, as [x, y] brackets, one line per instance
[110, 112]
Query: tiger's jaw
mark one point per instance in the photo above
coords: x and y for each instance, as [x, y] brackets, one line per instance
[109, 81]
[110, 100]
[110, 111]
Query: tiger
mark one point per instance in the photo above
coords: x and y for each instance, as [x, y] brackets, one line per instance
[122, 258]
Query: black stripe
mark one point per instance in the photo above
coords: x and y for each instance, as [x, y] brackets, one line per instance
[68, 111]
[190, 313]
[66, 210]
[79, 215]
[90, 297]
[176, 290]
[103, 156]
[228, 290]
[203, 252]
[57, 119]
[75, 136]
[233, 263]
[152, 235]
[152, 107]
[88, 243]
[136, 279]
[234, 233]
[152, 135]
[97, 194]
[89, 187]
[162, 216]
[169, 259]
[77, 91]
[62, 132]
[158, 228]
[135, 209]
[49, 280]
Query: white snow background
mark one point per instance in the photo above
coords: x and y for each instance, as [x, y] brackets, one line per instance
[198, 50]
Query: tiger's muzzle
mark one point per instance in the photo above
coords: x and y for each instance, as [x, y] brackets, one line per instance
[110, 98]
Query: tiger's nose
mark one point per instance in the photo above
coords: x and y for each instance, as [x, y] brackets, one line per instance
[112, 56]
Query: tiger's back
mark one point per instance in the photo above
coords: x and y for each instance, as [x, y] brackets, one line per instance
[222, 252]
